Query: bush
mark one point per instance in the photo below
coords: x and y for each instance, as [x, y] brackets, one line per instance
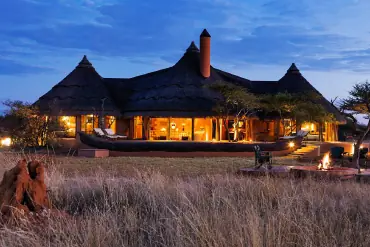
[27, 126]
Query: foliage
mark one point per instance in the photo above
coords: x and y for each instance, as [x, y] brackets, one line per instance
[301, 107]
[358, 102]
[237, 101]
[29, 128]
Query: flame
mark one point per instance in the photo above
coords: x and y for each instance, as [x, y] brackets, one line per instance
[325, 163]
[6, 142]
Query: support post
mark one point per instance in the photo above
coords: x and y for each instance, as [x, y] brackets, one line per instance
[217, 129]
[169, 129]
[252, 130]
[192, 129]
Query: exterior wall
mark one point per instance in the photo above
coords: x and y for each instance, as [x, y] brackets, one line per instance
[263, 130]
[255, 130]
[123, 127]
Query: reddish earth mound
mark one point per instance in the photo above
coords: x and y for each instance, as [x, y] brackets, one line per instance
[23, 190]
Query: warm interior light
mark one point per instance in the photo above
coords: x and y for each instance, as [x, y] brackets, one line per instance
[6, 142]
[312, 127]
[163, 129]
[291, 144]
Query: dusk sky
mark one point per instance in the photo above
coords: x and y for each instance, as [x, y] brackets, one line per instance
[41, 41]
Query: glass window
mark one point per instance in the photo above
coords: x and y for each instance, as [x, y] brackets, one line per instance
[159, 128]
[88, 123]
[202, 129]
[111, 123]
[138, 127]
[68, 126]
[180, 129]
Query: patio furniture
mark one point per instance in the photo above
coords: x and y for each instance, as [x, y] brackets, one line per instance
[262, 158]
[363, 153]
[100, 133]
[337, 154]
[111, 133]
[300, 133]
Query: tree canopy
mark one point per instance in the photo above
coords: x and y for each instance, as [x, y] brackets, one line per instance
[237, 101]
[27, 126]
[358, 103]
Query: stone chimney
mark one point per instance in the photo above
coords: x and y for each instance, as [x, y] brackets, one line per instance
[205, 54]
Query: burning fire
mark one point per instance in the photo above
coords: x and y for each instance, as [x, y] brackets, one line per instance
[6, 142]
[324, 163]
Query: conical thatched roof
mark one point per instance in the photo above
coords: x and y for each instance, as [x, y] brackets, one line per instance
[178, 91]
[294, 82]
[80, 92]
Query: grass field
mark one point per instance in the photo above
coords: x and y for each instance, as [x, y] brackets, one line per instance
[191, 202]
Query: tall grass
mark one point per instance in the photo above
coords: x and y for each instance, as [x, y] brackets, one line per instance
[153, 209]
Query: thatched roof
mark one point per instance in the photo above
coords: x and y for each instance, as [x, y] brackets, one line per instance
[80, 92]
[294, 82]
[177, 91]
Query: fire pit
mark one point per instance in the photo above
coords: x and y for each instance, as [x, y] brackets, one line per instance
[323, 170]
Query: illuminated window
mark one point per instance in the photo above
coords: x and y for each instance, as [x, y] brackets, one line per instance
[202, 129]
[138, 127]
[180, 129]
[159, 128]
[110, 123]
[88, 123]
[68, 125]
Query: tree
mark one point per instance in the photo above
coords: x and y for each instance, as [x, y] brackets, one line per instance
[358, 103]
[29, 128]
[237, 102]
[281, 103]
[301, 107]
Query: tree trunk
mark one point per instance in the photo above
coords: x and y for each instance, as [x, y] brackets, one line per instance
[356, 153]
[236, 129]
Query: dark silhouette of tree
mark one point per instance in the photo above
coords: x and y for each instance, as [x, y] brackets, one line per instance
[358, 102]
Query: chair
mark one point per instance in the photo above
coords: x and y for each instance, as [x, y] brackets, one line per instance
[262, 158]
[110, 133]
[363, 155]
[100, 133]
[337, 153]
[300, 133]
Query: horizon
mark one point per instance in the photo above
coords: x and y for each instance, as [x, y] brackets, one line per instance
[42, 41]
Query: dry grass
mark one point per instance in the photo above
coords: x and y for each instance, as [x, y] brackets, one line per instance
[157, 209]
[129, 166]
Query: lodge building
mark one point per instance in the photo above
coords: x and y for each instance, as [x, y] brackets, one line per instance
[173, 103]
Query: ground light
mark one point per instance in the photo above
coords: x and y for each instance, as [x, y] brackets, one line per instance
[6, 142]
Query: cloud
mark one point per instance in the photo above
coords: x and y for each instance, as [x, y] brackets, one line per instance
[126, 38]
[8, 67]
